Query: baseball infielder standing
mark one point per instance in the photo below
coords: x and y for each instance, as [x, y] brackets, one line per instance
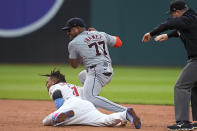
[72, 110]
[91, 48]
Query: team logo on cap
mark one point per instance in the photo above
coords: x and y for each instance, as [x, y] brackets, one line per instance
[22, 17]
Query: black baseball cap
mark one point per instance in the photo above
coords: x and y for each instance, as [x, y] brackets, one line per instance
[74, 22]
[177, 5]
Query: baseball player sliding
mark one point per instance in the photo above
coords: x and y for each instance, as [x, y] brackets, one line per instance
[72, 110]
[91, 47]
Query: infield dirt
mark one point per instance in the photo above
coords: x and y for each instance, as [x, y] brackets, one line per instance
[26, 115]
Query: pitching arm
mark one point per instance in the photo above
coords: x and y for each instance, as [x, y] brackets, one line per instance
[113, 40]
[74, 57]
[75, 62]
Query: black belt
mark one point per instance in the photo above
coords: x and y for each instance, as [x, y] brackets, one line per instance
[192, 57]
[92, 66]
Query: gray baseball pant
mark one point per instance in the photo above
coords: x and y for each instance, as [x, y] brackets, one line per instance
[95, 80]
[186, 90]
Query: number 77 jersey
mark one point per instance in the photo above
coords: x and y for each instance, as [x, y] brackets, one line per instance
[92, 47]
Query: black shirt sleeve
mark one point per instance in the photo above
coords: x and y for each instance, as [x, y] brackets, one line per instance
[182, 22]
[57, 94]
[174, 33]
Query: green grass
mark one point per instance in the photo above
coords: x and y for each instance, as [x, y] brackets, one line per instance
[137, 85]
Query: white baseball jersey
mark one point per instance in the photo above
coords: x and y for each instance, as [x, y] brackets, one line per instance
[84, 114]
[91, 46]
[67, 90]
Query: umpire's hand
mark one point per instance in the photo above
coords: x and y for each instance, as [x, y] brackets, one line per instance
[147, 37]
[161, 37]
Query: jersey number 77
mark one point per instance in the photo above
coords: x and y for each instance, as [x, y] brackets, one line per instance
[96, 45]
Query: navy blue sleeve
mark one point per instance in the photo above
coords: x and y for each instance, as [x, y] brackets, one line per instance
[58, 99]
[173, 34]
[172, 24]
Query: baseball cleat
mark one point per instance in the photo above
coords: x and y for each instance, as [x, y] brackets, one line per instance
[64, 116]
[133, 118]
[194, 125]
[181, 126]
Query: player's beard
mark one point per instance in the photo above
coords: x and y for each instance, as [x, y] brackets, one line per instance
[74, 32]
[72, 36]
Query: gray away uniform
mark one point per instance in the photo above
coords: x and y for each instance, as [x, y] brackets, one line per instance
[91, 46]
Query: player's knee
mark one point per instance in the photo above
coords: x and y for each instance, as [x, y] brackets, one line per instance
[82, 76]
[90, 98]
[180, 86]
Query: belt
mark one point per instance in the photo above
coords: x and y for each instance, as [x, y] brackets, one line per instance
[92, 66]
[192, 57]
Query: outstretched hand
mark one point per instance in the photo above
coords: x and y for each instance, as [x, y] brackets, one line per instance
[147, 37]
[161, 37]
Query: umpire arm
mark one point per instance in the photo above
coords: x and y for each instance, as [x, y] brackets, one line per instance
[174, 33]
[172, 24]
